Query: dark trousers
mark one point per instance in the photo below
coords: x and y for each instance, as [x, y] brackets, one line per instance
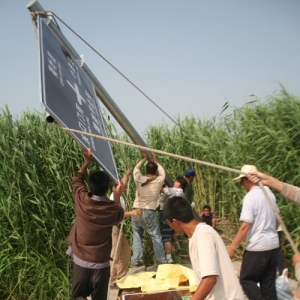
[280, 258]
[259, 267]
[89, 282]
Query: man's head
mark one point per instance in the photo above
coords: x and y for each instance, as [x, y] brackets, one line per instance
[98, 182]
[178, 210]
[151, 168]
[206, 210]
[180, 182]
[242, 178]
[189, 175]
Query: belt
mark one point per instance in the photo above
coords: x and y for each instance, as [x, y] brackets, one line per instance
[145, 209]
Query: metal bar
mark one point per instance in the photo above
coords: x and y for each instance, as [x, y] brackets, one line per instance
[34, 6]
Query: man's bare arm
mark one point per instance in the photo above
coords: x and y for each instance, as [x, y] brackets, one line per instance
[242, 233]
[206, 285]
[266, 180]
[88, 158]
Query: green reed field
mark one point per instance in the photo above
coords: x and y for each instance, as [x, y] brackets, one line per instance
[38, 160]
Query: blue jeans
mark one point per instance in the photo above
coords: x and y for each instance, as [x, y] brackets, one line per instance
[148, 222]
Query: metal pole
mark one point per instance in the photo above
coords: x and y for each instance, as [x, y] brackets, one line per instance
[34, 6]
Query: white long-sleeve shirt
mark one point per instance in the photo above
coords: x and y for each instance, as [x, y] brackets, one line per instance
[146, 196]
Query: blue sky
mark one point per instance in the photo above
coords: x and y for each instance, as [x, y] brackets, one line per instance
[190, 57]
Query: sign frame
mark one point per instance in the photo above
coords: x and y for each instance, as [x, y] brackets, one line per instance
[69, 97]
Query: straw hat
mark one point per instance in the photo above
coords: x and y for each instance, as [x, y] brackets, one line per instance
[246, 169]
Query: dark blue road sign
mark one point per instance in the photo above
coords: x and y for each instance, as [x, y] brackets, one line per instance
[69, 97]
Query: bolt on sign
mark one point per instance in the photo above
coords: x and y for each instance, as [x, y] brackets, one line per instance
[69, 97]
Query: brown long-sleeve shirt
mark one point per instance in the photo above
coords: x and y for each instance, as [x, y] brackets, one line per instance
[90, 235]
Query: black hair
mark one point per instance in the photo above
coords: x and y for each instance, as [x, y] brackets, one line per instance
[151, 168]
[178, 208]
[182, 181]
[98, 182]
[207, 206]
[111, 185]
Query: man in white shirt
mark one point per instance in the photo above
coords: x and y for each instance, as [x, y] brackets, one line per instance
[148, 188]
[259, 225]
[213, 269]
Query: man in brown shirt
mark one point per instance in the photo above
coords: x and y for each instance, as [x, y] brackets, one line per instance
[90, 236]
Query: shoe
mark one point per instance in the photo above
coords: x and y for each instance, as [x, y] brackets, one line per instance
[138, 263]
[170, 261]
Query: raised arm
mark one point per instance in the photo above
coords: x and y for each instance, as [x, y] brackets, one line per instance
[78, 184]
[126, 176]
[88, 158]
[118, 189]
[266, 180]
[287, 191]
[137, 169]
[160, 169]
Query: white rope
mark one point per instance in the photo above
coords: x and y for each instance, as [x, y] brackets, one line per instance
[279, 219]
[147, 149]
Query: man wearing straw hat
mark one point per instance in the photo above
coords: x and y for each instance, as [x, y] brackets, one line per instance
[259, 225]
[288, 192]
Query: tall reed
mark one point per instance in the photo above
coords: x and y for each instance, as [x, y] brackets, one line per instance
[38, 161]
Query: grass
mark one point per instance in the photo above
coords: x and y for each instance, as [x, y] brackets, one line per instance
[38, 161]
